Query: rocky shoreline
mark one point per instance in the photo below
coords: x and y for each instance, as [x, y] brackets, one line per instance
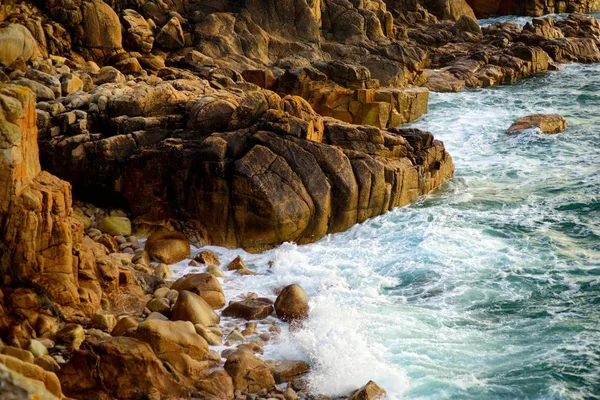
[238, 124]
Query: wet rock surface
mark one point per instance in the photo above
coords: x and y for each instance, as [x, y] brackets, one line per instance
[239, 124]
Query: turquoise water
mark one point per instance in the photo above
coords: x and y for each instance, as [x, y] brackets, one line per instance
[487, 289]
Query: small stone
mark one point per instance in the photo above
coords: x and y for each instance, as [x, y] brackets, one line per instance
[156, 315]
[94, 233]
[236, 264]
[141, 258]
[172, 295]
[124, 325]
[103, 322]
[208, 335]
[265, 336]
[37, 348]
[236, 336]
[162, 271]
[215, 271]
[160, 305]
[250, 329]
[72, 335]
[290, 394]
[161, 292]
[208, 258]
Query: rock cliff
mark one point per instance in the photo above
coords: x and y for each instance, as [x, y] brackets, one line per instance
[50, 272]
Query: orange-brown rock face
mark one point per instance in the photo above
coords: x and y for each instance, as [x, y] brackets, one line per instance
[42, 250]
[35, 211]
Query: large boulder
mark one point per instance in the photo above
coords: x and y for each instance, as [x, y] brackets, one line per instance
[101, 29]
[254, 309]
[249, 373]
[115, 226]
[546, 123]
[119, 367]
[292, 303]
[168, 247]
[169, 338]
[450, 9]
[204, 285]
[193, 308]
[17, 41]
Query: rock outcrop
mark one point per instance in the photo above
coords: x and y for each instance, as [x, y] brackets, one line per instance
[546, 123]
[44, 255]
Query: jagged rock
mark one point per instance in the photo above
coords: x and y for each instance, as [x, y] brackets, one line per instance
[204, 285]
[369, 392]
[138, 33]
[546, 123]
[249, 373]
[119, 367]
[218, 385]
[193, 308]
[292, 303]
[255, 309]
[70, 83]
[124, 325]
[208, 258]
[171, 35]
[288, 370]
[168, 247]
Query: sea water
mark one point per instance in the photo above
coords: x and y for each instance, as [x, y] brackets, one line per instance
[487, 289]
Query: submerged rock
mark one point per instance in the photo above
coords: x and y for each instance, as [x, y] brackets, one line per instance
[546, 123]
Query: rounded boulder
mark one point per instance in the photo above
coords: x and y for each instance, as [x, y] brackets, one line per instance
[168, 247]
[292, 303]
